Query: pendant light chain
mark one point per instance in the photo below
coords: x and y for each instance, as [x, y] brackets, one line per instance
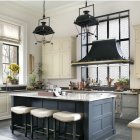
[44, 9]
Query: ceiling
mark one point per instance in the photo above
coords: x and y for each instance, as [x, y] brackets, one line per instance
[35, 7]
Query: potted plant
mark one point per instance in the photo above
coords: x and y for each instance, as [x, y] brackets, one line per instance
[14, 70]
[121, 84]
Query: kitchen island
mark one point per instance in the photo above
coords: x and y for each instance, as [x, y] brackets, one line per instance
[98, 110]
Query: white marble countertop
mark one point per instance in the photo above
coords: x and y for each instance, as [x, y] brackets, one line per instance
[102, 91]
[69, 96]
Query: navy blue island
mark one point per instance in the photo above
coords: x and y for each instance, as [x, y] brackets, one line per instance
[98, 110]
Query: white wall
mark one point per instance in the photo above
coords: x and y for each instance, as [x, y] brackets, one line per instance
[15, 13]
[62, 22]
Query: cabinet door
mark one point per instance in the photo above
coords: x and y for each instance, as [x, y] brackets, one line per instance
[4, 106]
[56, 65]
[130, 101]
[129, 113]
[56, 59]
[47, 65]
[66, 67]
[137, 51]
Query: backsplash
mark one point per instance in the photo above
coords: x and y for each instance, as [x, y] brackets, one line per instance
[62, 82]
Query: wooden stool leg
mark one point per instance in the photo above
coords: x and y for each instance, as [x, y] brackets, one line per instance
[12, 122]
[54, 127]
[25, 119]
[74, 130]
[31, 126]
[65, 130]
[47, 128]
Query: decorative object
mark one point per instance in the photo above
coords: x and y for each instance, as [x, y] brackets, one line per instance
[14, 70]
[43, 30]
[109, 81]
[122, 84]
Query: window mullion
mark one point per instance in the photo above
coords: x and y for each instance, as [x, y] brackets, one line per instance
[107, 27]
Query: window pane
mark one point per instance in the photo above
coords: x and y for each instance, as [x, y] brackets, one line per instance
[84, 73]
[125, 48]
[102, 30]
[6, 72]
[92, 72]
[84, 52]
[124, 28]
[114, 29]
[13, 54]
[114, 72]
[102, 74]
[9, 55]
[5, 54]
[125, 71]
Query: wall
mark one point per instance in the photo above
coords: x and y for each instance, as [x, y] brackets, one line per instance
[62, 22]
[20, 15]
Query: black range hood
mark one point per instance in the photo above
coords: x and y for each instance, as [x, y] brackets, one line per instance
[103, 52]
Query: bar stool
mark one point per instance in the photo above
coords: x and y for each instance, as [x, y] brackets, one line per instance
[67, 117]
[44, 114]
[20, 110]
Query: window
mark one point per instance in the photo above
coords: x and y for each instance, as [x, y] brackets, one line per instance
[9, 55]
[10, 38]
[115, 25]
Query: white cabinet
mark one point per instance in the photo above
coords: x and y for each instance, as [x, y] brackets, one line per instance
[5, 106]
[56, 58]
[137, 51]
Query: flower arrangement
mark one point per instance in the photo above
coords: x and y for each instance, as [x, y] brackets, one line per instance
[14, 68]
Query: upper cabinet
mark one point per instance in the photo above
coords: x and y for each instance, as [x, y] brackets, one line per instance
[137, 51]
[56, 58]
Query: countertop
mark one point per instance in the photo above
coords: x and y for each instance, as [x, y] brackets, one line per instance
[96, 91]
[75, 91]
[68, 96]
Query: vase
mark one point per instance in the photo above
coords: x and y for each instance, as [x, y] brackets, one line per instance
[14, 81]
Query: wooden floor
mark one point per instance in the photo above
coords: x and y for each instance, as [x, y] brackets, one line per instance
[122, 132]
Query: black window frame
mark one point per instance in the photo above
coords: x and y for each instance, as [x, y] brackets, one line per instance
[11, 45]
[107, 18]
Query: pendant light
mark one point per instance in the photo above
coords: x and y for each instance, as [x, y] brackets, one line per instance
[43, 32]
[85, 20]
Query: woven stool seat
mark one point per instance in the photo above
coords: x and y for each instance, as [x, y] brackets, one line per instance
[65, 116]
[21, 109]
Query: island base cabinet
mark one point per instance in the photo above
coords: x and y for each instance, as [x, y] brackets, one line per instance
[98, 120]
[5, 105]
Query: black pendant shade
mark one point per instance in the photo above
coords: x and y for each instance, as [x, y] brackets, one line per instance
[43, 29]
[86, 20]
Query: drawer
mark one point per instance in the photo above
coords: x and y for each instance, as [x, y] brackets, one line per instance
[129, 113]
[130, 101]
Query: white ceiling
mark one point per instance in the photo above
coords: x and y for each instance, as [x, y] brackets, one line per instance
[35, 7]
